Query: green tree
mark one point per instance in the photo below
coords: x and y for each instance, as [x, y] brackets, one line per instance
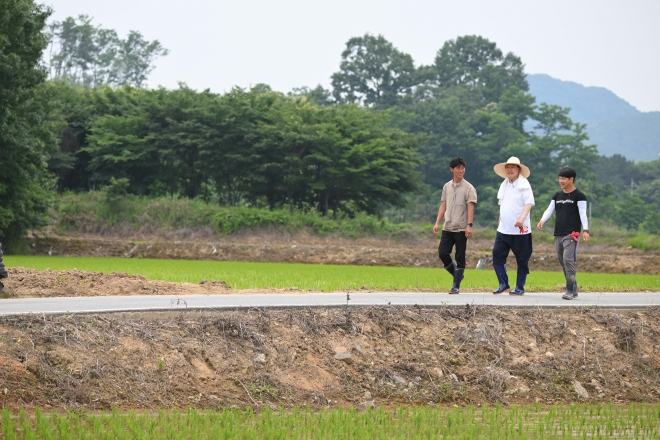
[373, 73]
[478, 64]
[318, 95]
[616, 169]
[652, 223]
[356, 162]
[447, 125]
[650, 192]
[179, 122]
[26, 116]
[90, 55]
[67, 162]
[120, 145]
[633, 211]
[233, 161]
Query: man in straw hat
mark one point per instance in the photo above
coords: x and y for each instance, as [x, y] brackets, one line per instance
[516, 199]
[457, 208]
[571, 206]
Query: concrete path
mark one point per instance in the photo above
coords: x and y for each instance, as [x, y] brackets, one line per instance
[103, 304]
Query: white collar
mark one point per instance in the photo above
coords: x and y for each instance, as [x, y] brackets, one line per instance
[523, 183]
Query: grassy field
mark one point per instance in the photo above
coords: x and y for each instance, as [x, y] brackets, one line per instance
[515, 422]
[326, 277]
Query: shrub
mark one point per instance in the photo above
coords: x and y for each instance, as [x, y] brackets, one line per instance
[97, 213]
[645, 242]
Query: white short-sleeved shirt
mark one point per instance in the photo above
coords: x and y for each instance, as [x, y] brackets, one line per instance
[511, 208]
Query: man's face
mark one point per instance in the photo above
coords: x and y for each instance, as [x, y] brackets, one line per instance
[565, 181]
[458, 172]
[511, 171]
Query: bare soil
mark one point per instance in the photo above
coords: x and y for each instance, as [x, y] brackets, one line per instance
[32, 283]
[304, 248]
[372, 356]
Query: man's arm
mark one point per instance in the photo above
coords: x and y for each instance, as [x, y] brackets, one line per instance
[528, 199]
[521, 221]
[470, 215]
[546, 215]
[582, 209]
[441, 214]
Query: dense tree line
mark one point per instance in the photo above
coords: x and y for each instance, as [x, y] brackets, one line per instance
[473, 101]
[379, 141]
[257, 147]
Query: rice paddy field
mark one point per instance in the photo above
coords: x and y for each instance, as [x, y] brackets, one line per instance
[242, 275]
[515, 422]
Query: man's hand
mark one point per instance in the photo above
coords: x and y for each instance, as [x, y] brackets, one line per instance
[468, 232]
[520, 223]
[585, 236]
[540, 225]
[435, 229]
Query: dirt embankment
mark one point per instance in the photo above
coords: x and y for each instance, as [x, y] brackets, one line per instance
[326, 357]
[302, 248]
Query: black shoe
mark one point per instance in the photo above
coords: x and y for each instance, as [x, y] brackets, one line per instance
[458, 277]
[2, 286]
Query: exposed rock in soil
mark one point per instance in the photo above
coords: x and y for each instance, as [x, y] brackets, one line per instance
[285, 358]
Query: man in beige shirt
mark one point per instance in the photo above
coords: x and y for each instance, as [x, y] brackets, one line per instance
[457, 208]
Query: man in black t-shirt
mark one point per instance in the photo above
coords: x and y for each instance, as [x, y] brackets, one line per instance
[571, 206]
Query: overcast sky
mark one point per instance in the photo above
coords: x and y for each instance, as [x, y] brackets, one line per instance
[292, 43]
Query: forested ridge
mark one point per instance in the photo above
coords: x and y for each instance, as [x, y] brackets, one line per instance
[378, 143]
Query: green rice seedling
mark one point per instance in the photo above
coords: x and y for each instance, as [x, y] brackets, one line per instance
[579, 421]
[242, 275]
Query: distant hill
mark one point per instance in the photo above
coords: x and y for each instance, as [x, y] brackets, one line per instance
[612, 123]
[635, 137]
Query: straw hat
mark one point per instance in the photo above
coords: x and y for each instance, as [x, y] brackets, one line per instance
[501, 171]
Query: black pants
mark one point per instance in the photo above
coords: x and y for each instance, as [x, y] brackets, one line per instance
[447, 241]
[521, 245]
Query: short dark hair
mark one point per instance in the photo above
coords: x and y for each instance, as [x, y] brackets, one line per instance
[567, 172]
[457, 161]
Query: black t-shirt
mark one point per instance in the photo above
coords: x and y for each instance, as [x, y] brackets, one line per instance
[568, 215]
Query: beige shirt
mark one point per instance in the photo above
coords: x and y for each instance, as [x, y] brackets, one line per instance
[456, 197]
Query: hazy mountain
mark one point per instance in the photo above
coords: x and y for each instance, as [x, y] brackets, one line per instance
[635, 137]
[612, 123]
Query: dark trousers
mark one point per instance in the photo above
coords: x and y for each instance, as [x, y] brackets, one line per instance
[447, 241]
[521, 245]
